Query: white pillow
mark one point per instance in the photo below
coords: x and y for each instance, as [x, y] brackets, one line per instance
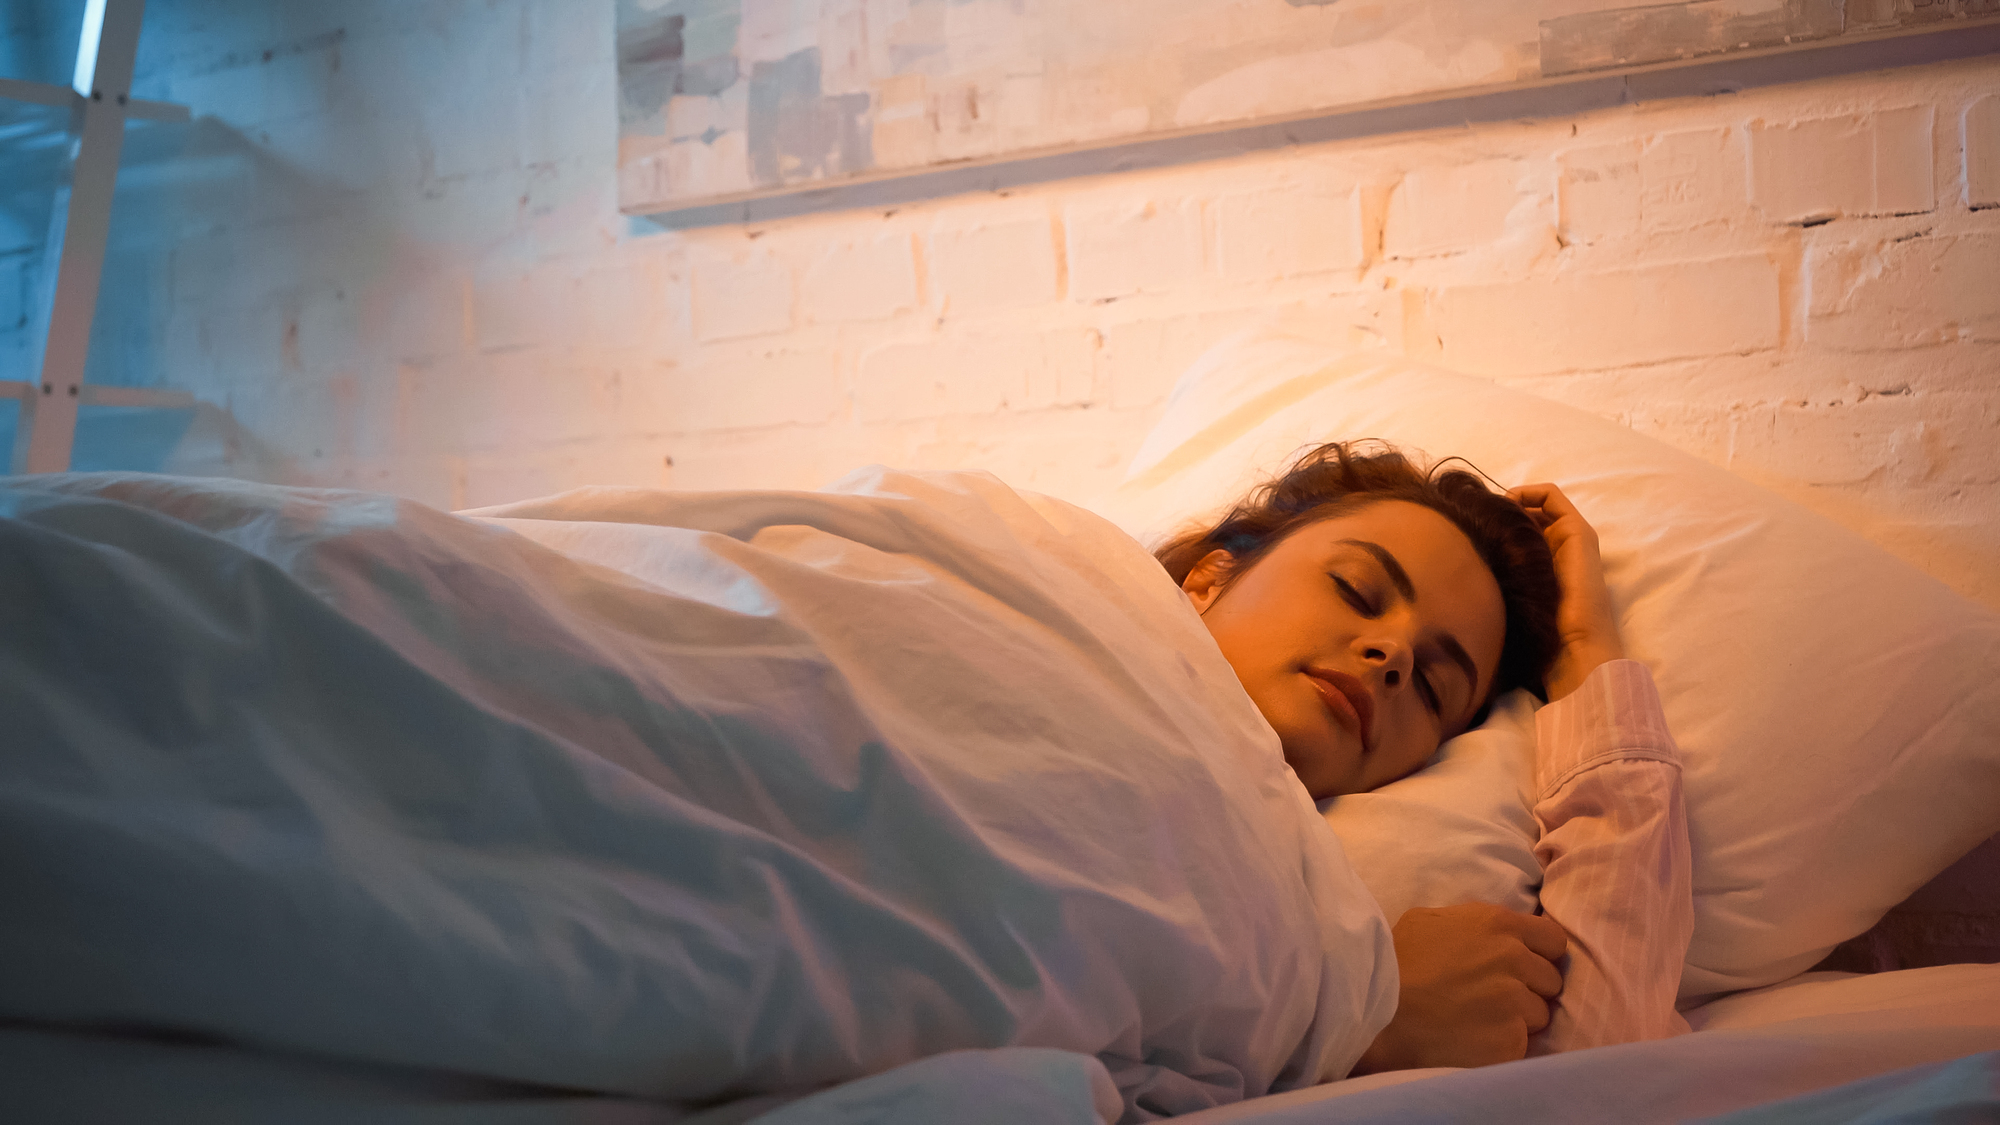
[1838, 710]
[1459, 829]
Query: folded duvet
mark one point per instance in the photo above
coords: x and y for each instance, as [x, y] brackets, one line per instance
[678, 795]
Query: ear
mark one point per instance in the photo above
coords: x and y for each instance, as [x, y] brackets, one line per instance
[1204, 582]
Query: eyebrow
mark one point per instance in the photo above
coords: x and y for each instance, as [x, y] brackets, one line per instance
[1446, 641]
[1397, 574]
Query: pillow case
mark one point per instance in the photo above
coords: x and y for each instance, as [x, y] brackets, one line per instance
[1838, 711]
[1459, 829]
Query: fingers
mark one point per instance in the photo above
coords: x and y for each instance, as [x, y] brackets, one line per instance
[1542, 935]
[1543, 942]
[1545, 502]
[1539, 974]
[1541, 495]
[1535, 1014]
[1552, 511]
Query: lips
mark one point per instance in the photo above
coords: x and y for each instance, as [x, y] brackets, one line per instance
[1347, 696]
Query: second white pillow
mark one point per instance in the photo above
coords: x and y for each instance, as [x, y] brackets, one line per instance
[1459, 829]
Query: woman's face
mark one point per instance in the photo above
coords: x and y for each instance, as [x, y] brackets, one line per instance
[1365, 639]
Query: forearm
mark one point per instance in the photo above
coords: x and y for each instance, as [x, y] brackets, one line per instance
[1614, 855]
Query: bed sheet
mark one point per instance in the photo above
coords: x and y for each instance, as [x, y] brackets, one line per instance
[1811, 1033]
[1890, 1032]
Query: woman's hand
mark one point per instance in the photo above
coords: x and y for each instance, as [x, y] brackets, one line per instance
[1475, 984]
[1584, 618]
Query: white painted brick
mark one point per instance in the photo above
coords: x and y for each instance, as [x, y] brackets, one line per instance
[205, 269]
[1691, 178]
[466, 136]
[1287, 232]
[1827, 167]
[1980, 136]
[1590, 321]
[515, 309]
[626, 303]
[869, 279]
[1006, 263]
[1598, 191]
[1899, 438]
[1437, 211]
[1067, 373]
[429, 316]
[1134, 245]
[733, 389]
[1143, 359]
[644, 394]
[976, 375]
[1904, 294]
[746, 295]
[324, 324]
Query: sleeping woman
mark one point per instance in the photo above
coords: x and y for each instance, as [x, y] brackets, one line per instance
[695, 797]
[1373, 611]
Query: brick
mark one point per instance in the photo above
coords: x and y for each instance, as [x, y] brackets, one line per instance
[1673, 181]
[746, 295]
[1143, 359]
[1287, 232]
[999, 265]
[1598, 192]
[515, 310]
[871, 279]
[428, 317]
[1980, 137]
[1904, 294]
[976, 375]
[1897, 438]
[1127, 247]
[1690, 178]
[732, 389]
[1436, 211]
[1593, 321]
[627, 304]
[204, 269]
[465, 136]
[1829, 167]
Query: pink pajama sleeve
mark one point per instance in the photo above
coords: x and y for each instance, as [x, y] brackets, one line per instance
[1614, 855]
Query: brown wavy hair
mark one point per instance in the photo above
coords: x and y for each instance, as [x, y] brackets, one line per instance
[1342, 477]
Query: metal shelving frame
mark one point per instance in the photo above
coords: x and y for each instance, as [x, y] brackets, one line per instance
[100, 102]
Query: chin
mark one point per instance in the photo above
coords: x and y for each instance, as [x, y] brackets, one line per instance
[1321, 778]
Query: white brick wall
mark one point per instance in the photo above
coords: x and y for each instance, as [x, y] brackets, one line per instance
[1878, 163]
[1625, 318]
[980, 263]
[860, 279]
[1454, 207]
[1980, 140]
[745, 293]
[1906, 293]
[1797, 282]
[1132, 243]
[1287, 232]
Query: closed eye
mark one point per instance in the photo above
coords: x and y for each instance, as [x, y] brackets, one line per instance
[1353, 597]
[1428, 691]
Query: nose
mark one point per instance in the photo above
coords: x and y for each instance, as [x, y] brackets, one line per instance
[1388, 655]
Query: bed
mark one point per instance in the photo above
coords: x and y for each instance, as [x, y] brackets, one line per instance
[913, 799]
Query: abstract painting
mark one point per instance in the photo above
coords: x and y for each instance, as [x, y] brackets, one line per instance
[723, 100]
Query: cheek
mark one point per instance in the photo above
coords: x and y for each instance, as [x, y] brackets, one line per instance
[1406, 745]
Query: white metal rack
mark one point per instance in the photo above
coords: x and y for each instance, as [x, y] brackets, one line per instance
[100, 102]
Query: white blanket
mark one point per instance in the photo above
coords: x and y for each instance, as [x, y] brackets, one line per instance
[705, 796]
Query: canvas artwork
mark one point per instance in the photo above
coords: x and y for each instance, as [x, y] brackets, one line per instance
[724, 100]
